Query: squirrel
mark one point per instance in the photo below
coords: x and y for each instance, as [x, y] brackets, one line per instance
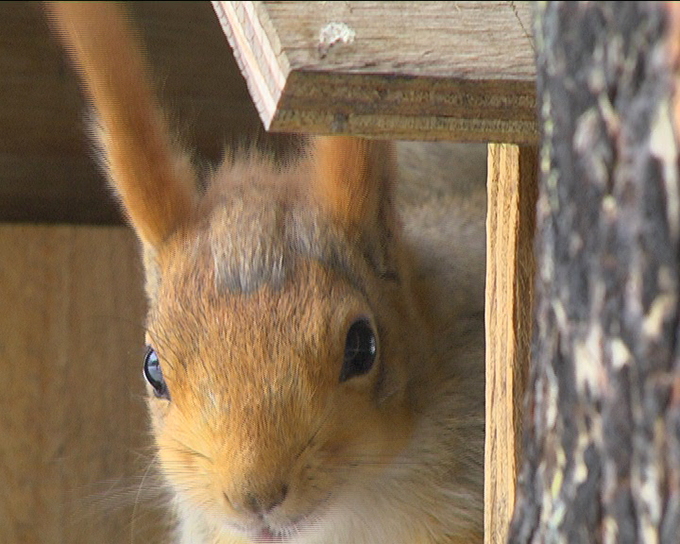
[315, 359]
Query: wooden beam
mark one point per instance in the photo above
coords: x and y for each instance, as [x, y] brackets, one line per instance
[403, 70]
[511, 216]
[73, 426]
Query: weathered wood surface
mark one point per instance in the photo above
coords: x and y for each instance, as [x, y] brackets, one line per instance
[73, 447]
[402, 70]
[511, 213]
[602, 434]
[47, 169]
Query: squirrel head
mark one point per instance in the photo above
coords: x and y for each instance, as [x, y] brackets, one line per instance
[280, 330]
[281, 327]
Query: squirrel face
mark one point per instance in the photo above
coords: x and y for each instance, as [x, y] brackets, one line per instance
[284, 378]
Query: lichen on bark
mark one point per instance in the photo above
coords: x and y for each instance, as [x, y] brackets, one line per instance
[602, 421]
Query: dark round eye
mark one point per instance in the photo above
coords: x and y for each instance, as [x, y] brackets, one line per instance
[154, 374]
[360, 350]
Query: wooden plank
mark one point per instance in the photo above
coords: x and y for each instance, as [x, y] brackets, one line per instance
[401, 70]
[511, 215]
[72, 414]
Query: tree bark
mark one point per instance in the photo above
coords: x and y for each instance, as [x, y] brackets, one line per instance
[602, 418]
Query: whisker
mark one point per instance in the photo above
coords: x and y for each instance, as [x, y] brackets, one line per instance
[322, 423]
[139, 491]
[185, 448]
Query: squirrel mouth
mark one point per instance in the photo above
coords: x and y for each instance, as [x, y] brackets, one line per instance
[288, 533]
[266, 536]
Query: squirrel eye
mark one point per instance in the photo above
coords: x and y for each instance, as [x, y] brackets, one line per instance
[360, 350]
[154, 374]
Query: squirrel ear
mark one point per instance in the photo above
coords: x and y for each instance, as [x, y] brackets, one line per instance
[353, 176]
[354, 179]
[154, 180]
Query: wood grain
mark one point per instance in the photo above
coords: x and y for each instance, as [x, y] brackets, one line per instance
[72, 416]
[511, 215]
[402, 70]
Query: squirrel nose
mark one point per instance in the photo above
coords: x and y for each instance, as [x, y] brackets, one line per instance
[265, 501]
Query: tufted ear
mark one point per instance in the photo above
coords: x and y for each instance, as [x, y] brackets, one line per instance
[152, 177]
[354, 179]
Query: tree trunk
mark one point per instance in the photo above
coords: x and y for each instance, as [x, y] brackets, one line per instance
[602, 420]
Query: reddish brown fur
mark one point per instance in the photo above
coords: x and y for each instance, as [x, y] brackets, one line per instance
[135, 136]
[351, 175]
